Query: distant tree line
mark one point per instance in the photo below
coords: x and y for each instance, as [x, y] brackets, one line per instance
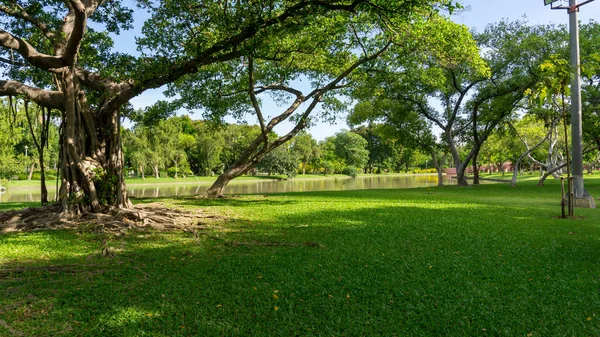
[180, 146]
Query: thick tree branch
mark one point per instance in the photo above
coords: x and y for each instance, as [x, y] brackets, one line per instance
[226, 49]
[76, 24]
[254, 100]
[46, 98]
[455, 82]
[278, 87]
[28, 52]
[99, 83]
[316, 96]
[425, 112]
[13, 63]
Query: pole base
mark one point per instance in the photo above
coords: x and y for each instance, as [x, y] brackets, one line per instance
[585, 202]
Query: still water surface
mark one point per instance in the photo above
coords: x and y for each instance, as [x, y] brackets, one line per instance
[257, 187]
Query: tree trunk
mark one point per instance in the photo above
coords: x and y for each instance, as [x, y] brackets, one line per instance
[461, 179]
[92, 158]
[475, 169]
[30, 173]
[438, 167]
[156, 171]
[43, 189]
[237, 169]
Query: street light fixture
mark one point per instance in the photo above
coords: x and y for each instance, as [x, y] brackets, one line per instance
[582, 197]
[573, 5]
[26, 165]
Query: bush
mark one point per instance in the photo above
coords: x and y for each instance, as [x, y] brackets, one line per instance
[181, 173]
[350, 171]
[171, 172]
[420, 171]
[186, 172]
[328, 167]
[38, 176]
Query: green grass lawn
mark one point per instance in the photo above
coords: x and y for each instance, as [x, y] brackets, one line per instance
[489, 260]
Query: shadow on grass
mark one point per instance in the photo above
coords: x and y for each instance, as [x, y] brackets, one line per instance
[402, 269]
[232, 201]
[387, 267]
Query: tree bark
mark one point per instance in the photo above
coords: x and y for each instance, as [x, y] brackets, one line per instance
[438, 167]
[92, 165]
[475, 169]
[30, 173]
[43, 188]
[461, 180]
[237, 169]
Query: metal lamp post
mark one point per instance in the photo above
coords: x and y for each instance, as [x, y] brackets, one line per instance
[582, 198]
[26, 165]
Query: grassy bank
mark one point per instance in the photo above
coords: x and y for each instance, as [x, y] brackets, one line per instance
[489, 260]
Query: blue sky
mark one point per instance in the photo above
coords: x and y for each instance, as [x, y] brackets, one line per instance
[477, 15]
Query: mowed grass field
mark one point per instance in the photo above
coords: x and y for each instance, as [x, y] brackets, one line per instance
[486, 260]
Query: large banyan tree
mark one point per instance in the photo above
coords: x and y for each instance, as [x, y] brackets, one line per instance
[60, 55]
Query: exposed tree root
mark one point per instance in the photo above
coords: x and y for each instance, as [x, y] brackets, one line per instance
[144, 216]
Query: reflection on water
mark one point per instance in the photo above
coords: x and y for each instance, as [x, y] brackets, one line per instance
[258, 187]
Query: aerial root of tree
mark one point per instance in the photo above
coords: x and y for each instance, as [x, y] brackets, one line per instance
[147, 216]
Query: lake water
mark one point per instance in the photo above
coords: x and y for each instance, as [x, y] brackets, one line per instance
[257, 187]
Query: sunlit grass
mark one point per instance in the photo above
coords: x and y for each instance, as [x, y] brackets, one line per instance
[485, 260]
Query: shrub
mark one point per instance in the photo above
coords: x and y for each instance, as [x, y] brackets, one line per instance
[38, 176]
[350, 171]
[171, 172]
[420, 171]
[328, 167]
[181, 172]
